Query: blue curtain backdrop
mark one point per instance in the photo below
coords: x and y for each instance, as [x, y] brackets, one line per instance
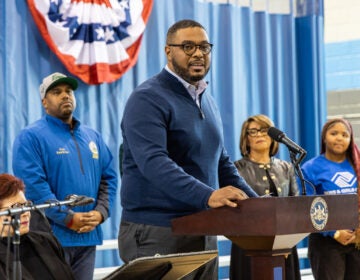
[266, 59]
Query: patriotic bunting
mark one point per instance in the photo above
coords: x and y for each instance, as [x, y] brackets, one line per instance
[96, 40]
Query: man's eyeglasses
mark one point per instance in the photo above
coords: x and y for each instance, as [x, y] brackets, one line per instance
[253, 131]
[190, 48]
[27, 203]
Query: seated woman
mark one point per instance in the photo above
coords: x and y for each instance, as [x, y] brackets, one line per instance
[41, 255]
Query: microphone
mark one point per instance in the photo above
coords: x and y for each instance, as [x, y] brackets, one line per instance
[281, 137]
[79, 200]
[71, 200]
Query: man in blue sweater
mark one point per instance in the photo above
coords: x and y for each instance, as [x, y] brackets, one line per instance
[174, 161]
[58, 156]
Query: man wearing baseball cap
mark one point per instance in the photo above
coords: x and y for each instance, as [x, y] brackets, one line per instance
[57, 156]
[55, 79]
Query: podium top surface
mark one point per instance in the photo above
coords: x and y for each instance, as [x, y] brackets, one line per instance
[270, 216]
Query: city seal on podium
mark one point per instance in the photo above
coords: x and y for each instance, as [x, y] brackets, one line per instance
[319, 213]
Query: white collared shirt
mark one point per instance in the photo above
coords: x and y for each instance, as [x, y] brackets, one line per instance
[194, 91]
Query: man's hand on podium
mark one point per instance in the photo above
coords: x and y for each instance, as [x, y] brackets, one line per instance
[228, 195]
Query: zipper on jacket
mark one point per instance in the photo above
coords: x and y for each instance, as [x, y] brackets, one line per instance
[202, 115]
[78, 150]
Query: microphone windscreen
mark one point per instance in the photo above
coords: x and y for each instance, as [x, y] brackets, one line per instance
[275, 133]
[79, 200]
[84, 201]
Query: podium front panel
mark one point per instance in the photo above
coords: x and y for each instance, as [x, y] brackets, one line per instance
[273, 216]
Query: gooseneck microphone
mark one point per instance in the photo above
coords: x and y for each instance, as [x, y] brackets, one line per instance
[72, 200]
[297, 153]
[281, 137]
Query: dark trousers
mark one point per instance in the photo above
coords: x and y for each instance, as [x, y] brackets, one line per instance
[331, 260]
[81, 260]
[139, 240]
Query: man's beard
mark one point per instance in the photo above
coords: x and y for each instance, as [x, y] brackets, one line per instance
[185, 74]
[65, 113]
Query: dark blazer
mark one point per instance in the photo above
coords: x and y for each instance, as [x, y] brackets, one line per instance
[45, 251]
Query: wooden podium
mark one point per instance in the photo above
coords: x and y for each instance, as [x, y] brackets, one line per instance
[267, 228]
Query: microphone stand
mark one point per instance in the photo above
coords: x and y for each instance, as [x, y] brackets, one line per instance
[15, 223]
[15, 213]
[296, 162]
[72, 200]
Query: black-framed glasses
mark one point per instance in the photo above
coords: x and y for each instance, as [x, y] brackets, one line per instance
[254, 131]
[27, 203]
[190, 48]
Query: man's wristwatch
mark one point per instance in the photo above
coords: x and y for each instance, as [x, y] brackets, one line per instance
[337, 234]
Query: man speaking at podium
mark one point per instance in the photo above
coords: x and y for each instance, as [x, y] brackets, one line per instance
[174, 160]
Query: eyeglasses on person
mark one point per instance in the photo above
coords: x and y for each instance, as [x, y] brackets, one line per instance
[190, 48]
[27, 203]
[254, 131]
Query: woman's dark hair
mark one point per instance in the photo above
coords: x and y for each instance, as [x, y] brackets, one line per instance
[10, 186]
[329, 124]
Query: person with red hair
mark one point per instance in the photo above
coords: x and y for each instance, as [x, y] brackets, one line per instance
[41, 255]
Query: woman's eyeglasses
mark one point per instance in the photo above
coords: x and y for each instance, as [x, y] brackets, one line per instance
[27, 203]
[254, 131]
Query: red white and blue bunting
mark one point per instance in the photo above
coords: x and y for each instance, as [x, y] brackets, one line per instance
[96, 40]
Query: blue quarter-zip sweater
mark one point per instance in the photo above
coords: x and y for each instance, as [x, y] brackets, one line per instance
[174, 155]
[55, 161]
